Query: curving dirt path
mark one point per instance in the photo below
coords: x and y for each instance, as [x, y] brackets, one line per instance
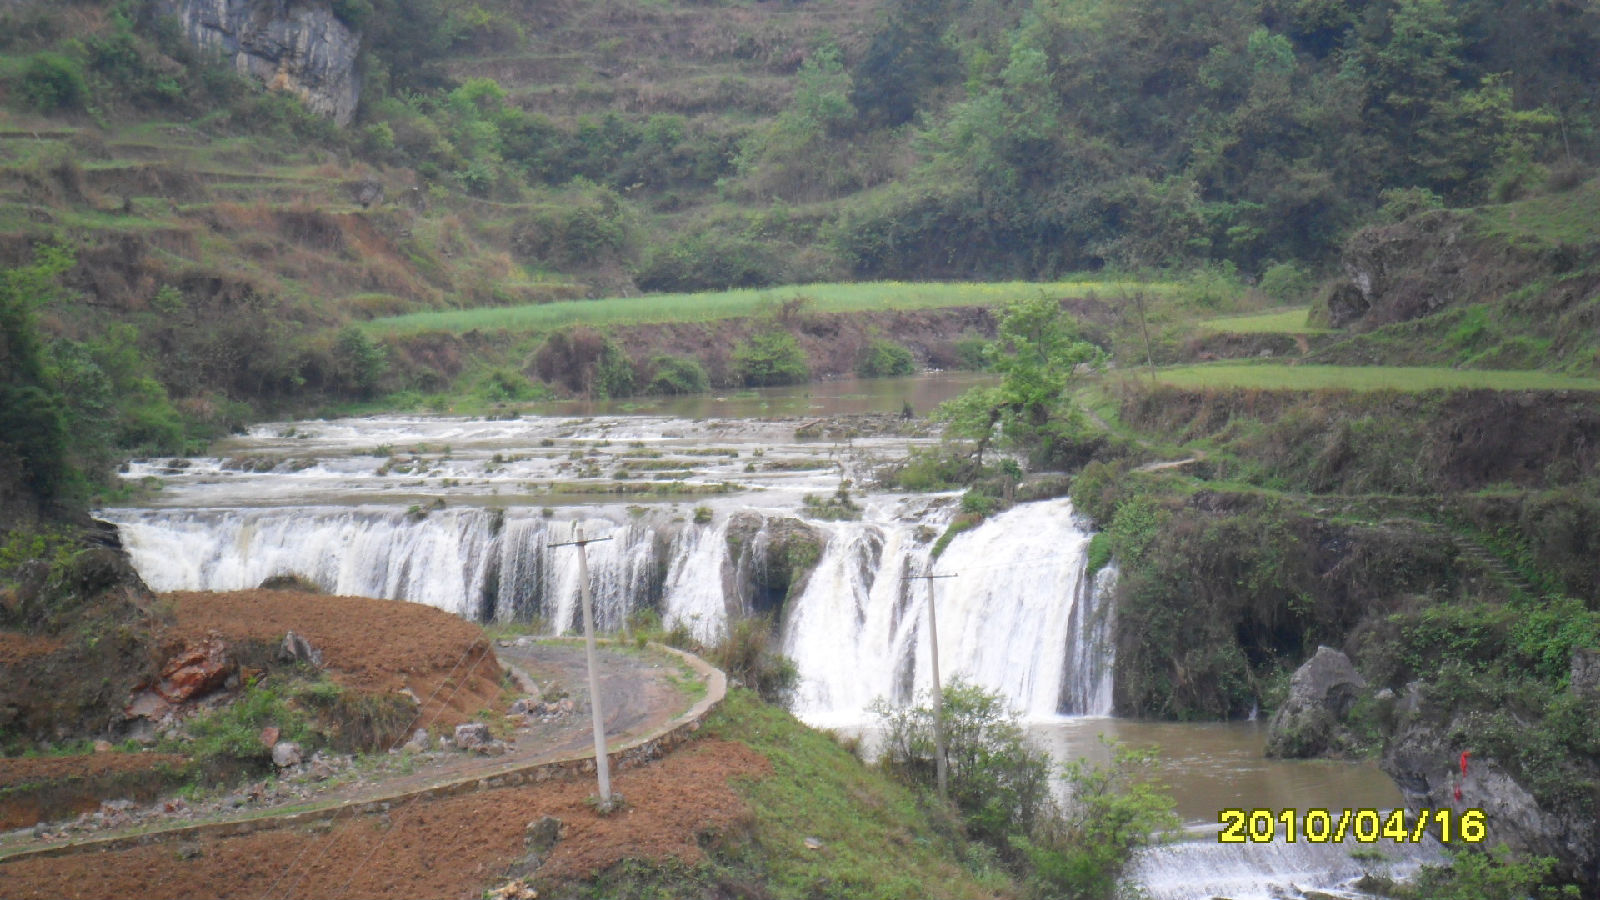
[644, 692]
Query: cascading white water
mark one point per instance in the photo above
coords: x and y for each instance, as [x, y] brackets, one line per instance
[471, 562]
[1200, 868]
[694, 595]
[1091, 648]
[1023, 617]
[859, 631]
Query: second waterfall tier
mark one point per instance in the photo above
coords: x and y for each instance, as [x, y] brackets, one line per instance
[1022, 616]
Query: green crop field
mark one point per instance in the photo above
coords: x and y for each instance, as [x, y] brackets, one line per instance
[1365, 378]
[1281, 321]
[705, 307]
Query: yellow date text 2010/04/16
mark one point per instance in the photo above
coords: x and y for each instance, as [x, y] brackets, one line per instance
[1367, 826]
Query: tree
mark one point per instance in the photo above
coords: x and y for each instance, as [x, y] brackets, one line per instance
[31, 425]
[1038, 352]
[1111, 813]
[999, 782]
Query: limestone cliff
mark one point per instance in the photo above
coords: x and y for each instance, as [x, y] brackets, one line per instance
[298, 46]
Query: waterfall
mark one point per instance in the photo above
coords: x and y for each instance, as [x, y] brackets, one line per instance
[694, 595]
[1006, 621]
[1199, 868]
[1021, 618]
[476, 563]
[1091, 647]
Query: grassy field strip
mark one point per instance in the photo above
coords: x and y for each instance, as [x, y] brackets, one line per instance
[705, 307]
[1280, 321]
[1365, 378]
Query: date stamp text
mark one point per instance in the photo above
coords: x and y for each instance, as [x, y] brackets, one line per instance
[1366, 826]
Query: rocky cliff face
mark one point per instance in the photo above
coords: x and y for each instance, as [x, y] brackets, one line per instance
[1423, 754]
[298, 46]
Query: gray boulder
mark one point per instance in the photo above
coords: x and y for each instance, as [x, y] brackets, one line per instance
[1423, 756]
[471, 735]
[296, 648]
[1310, 721]
[286, 754]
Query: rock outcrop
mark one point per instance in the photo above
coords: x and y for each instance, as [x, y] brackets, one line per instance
[1424, 757]
[298, 46]
[1311, 721]
[771, 558]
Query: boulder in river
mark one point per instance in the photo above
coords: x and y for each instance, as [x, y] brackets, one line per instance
[1311, 721]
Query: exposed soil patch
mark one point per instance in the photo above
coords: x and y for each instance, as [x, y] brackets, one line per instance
[14, 772]
[446, 848]
[368, 644]
[19, 648]
[32, 789]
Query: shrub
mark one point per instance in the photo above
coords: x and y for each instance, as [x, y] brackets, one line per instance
[773, 358]
[884, 359]
[678, 375]
[747, 653]
[979, 503]
[1000, 783]
[502, 385]
[354, 13]
[53, 82]
[1112, 812]
[585, 362]
[971, 353]
[712, 261]
[1285, 281]
[359, 360]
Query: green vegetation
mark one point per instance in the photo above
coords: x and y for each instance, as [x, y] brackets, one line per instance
[1496, 875]
[678, 375]
[710, 306]
[769, 359]
[884, 359]
[1001, 787]
[876, 836]
[1286, 321]
[1365, 378]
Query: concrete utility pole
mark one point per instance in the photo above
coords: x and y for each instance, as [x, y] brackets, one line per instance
[941, 751]
[602, 764]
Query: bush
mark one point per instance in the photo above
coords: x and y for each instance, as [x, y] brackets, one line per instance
[354, 13]
[1500, 875]
[747, 653]
[586, 362]
[1113, 811]
[1000, 784]
[1285, 282]
[773, 358]
[678, 375]
[53, 82]
[360, 361]
[884, 359]
[503, 385]
[712, 261]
